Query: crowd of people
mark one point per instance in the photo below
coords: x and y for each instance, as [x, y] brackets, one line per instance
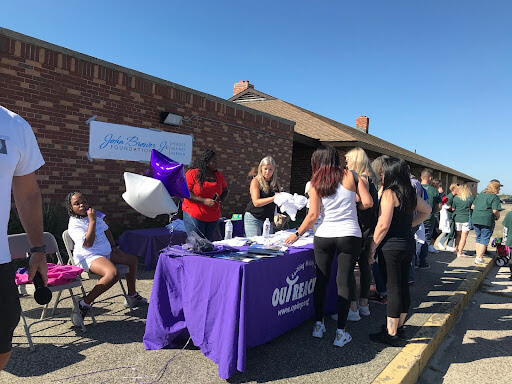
[376, 215]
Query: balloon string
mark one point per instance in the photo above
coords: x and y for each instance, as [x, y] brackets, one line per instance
[136, 378]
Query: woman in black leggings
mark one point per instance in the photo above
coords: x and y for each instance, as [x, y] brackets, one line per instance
[400, 210]
[332, 197]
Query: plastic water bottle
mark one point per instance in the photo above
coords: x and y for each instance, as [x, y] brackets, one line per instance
[266, 228]
[228, 230]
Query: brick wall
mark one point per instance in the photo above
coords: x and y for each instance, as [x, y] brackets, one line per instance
[57, 90]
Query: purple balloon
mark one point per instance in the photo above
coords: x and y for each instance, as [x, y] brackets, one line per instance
[170, 173]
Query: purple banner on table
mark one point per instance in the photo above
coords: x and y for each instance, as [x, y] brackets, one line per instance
[228, 306]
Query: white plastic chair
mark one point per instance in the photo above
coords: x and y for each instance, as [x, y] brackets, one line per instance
[19, 247]
[121, 268]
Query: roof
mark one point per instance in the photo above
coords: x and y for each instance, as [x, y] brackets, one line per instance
[319, 127]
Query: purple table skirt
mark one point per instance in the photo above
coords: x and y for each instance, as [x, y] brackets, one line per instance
[228, 306]
[147, 243]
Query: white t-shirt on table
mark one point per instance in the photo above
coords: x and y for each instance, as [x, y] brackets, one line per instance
[19, 156]
[77, 229]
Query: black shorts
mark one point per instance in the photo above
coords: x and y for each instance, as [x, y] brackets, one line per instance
[9, 307]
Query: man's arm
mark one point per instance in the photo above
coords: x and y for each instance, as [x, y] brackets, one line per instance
[27, 197]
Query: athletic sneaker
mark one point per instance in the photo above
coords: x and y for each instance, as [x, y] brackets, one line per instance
[431, 249]
[318, 329]
[342, 338]
[364, 310]
[353, 315]
[378, 297]
[135, 301]
[479, 260]
[400, 332]
[80, 315]
[441, 247]
[385, 338]
[424, 265]
[450, 249]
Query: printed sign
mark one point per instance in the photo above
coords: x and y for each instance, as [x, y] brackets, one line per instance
[123, 142]
[299, 288]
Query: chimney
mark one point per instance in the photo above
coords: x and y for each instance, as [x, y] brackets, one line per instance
[242, 85]
[363, 123]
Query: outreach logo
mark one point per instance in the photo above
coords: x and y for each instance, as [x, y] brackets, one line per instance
[294, 290]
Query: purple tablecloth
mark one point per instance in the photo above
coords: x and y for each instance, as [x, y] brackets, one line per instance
[228, 306]
[147, 243]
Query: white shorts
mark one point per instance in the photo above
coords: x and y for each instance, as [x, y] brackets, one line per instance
[85, 262]
[464, 227]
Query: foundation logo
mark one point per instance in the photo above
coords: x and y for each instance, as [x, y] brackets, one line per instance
[299, 286]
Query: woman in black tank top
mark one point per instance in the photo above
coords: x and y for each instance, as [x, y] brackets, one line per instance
[263, 192]
[393, 235]
[358, 161]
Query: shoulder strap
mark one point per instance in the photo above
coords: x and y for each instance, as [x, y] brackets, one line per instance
[356, 178]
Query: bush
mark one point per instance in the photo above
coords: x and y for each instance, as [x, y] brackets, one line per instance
[55, 221]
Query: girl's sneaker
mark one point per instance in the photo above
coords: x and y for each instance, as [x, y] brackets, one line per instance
[318, 329]
[353, 315]
[77, 317]
[135, 301]
[364, 310]
[342, 338]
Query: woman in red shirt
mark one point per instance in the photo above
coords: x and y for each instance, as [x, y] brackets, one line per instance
[208, 189]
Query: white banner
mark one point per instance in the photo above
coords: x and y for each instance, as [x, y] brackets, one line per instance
[123, 142]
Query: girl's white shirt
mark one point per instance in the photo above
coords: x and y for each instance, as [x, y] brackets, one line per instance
[77, 229]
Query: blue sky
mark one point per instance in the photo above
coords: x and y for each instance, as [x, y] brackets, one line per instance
[433, 76]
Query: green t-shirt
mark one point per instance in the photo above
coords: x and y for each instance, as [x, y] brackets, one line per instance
[461, 209]
[507, 230]
[434, 198]
[484, 205]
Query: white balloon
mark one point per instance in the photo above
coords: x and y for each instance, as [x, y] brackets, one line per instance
[147, 196]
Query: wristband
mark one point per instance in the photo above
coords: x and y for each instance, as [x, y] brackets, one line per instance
[297, 234]
[41, 248]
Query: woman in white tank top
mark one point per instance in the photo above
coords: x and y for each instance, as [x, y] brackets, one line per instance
[332, 197]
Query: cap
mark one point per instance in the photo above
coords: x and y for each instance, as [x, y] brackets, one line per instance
[496, 181]
[445, 199]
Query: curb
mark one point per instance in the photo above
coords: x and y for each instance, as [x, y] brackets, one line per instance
[410, 362]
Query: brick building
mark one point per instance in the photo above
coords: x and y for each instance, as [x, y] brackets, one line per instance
[56, 90]
[312, 128]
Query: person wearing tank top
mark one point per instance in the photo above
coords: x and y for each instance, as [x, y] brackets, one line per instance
[358, 162]
[332, 198]
[393, 236]
[263, 192]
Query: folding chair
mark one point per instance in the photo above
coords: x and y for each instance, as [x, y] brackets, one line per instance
[19, 247]
[121, 268]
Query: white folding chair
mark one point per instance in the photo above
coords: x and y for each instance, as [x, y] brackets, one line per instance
[121, 268]
[19, 247]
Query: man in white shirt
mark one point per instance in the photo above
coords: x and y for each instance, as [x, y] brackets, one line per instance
[19, 159]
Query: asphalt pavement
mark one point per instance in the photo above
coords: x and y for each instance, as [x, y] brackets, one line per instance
[112, 352]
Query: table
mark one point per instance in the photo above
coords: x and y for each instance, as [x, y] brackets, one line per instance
[228, 306]
[147, 243]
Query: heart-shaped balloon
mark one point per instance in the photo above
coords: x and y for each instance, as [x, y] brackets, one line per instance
[170, 173]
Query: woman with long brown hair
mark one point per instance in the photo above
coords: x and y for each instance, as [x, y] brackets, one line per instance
[332, 197]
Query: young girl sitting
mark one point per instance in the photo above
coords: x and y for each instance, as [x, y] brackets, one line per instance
[96, 251]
